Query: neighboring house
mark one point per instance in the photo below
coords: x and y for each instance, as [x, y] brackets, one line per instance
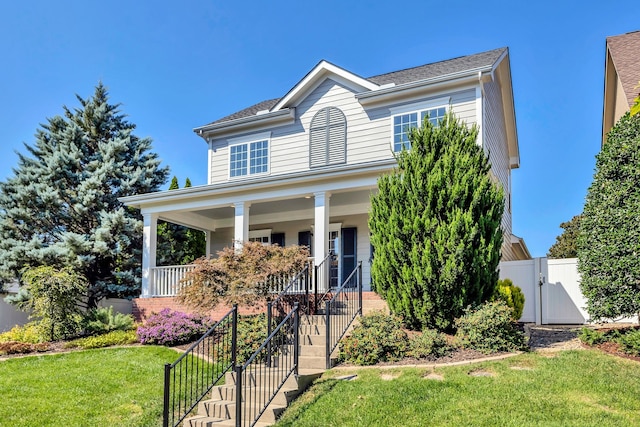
[621, 76]
[300, 169]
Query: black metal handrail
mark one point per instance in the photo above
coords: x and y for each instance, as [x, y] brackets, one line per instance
[321, 277]
[342, 308]
[257, 383]
[199, 369]
[278, 308]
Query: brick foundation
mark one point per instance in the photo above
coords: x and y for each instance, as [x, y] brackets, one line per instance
[143, 307]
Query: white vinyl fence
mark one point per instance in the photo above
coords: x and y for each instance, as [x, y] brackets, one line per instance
[551, 289]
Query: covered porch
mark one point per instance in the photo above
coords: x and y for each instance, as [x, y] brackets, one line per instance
[329, 217]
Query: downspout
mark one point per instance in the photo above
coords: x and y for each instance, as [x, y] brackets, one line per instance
[480, 108]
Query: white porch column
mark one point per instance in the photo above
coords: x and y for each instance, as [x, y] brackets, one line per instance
[149, 243]
[209, 238]
[241, 229]
[321, 226]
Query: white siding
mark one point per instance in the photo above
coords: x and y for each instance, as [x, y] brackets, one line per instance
[495, 145]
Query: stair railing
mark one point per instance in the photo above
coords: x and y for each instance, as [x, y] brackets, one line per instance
[342, 308]
[190, 378]
[257, 383]
[295, 292]
[321, 284]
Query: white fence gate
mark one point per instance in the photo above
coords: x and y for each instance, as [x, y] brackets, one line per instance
[551, 289]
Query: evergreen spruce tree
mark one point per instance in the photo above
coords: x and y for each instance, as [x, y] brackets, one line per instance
[435, 227]
[177, 244]
[609, 237]
[60, 208]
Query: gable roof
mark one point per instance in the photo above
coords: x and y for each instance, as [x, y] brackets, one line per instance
[624, 54]
[453, 66]
[442, 68]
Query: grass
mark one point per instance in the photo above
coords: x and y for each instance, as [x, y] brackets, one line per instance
[106, 387]
[573, 388]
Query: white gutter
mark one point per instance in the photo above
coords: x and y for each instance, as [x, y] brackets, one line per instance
[384, 94]
[243, 123]
[253, 184]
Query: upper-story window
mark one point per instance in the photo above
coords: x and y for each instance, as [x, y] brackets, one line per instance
[412, 116]
[328, 138]
[249, 155]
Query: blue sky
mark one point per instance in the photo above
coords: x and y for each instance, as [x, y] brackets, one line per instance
[177, 65]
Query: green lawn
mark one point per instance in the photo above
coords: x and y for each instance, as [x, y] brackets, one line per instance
[105, 387]
[574, 388]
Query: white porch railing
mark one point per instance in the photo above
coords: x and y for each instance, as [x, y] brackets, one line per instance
[166, 280]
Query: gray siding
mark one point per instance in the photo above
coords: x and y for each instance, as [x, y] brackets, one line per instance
[223, 237]
[495, 145]
[368, 131]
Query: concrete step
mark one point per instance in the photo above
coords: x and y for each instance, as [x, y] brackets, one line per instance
[312, 329]
[204, 421]
[315, 340]
[313, 350]
[313, 319]
[315, 362]
[260, 378]
[223, 410]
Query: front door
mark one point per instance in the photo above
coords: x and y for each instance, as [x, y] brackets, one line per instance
[342, 242]
[334, 268]
[348, 253]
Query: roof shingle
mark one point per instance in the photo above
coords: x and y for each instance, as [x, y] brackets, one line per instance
[408, 75]
[624, 51]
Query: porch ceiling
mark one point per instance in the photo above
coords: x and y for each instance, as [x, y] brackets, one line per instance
[290, 209]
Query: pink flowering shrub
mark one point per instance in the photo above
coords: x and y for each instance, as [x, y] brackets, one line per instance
[172, 327]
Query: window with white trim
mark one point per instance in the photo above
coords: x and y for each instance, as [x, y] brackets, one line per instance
[412, 116]
[403, 122]
[250, 157]
[262, 236]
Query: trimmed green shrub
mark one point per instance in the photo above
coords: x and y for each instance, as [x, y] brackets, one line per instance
[378, 338]
[252, 332]
[630, 342]
[102, 320]
[29, 333]
[56, 296]
[591, 336]
[430, 343]
[489, 329]
[105, 340]
[512, 295]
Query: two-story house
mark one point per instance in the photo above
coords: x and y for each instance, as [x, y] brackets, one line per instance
[300, 169]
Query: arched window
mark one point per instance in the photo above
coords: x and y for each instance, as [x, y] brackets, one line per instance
[328, 138]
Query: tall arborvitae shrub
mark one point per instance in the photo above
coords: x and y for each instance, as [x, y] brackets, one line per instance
[435, 227]
[609, 239]
[61, 207]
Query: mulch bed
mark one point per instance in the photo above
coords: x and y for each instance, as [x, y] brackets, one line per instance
[613, 349]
